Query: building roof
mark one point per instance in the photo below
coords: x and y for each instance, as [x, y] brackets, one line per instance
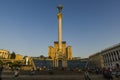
[111, 47]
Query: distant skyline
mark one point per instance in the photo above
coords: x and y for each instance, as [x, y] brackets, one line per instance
[28, 27]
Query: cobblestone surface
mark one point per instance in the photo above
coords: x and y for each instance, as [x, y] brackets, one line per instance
[52, 77]
[55, 76]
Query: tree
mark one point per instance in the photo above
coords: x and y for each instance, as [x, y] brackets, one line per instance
[9, 63]
[41, 56]
[49, 57]
[13, 55]
[16, 64]
[1, 63]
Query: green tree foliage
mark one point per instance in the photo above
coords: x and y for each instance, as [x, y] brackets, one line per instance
[16, 63]
[1, 63]
[9, 63]
[49, 57]
[13, 55]
[42, 56]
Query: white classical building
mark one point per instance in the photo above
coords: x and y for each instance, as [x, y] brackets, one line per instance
[111, 56]
[4, 54]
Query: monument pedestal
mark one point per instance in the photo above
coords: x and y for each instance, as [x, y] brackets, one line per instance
[55, 63]
[64, 63]
[60, 61]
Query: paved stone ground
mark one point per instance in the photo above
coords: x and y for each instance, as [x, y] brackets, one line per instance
[45, 76]
[49, 77]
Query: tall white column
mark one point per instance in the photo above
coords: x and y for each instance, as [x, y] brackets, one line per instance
[59, 31]
[113, 56]
[59, 15]
[119, 54]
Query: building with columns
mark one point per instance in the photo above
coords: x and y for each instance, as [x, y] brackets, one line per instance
[107, 58]
[4, 54]
[111, 56]
[67, 50]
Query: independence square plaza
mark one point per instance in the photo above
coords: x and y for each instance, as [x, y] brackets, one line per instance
[60, 61]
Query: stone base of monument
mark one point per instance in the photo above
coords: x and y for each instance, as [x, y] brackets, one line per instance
[28, 67]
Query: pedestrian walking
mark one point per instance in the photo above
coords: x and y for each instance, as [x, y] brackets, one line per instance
[16, 73]
[32, 72]
[86, 75]
[117, 71]
[1, 68]
[109, 72]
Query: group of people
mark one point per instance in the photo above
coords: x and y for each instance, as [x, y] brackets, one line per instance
[107, 73]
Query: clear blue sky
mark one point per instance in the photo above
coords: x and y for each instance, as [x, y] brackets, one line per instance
[28, 27]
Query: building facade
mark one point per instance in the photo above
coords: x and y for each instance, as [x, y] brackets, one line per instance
[19, 57]
[77, 64]
[47, 64]
[108, 58]
[4, 54]
[67, 50]
[111, 56]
